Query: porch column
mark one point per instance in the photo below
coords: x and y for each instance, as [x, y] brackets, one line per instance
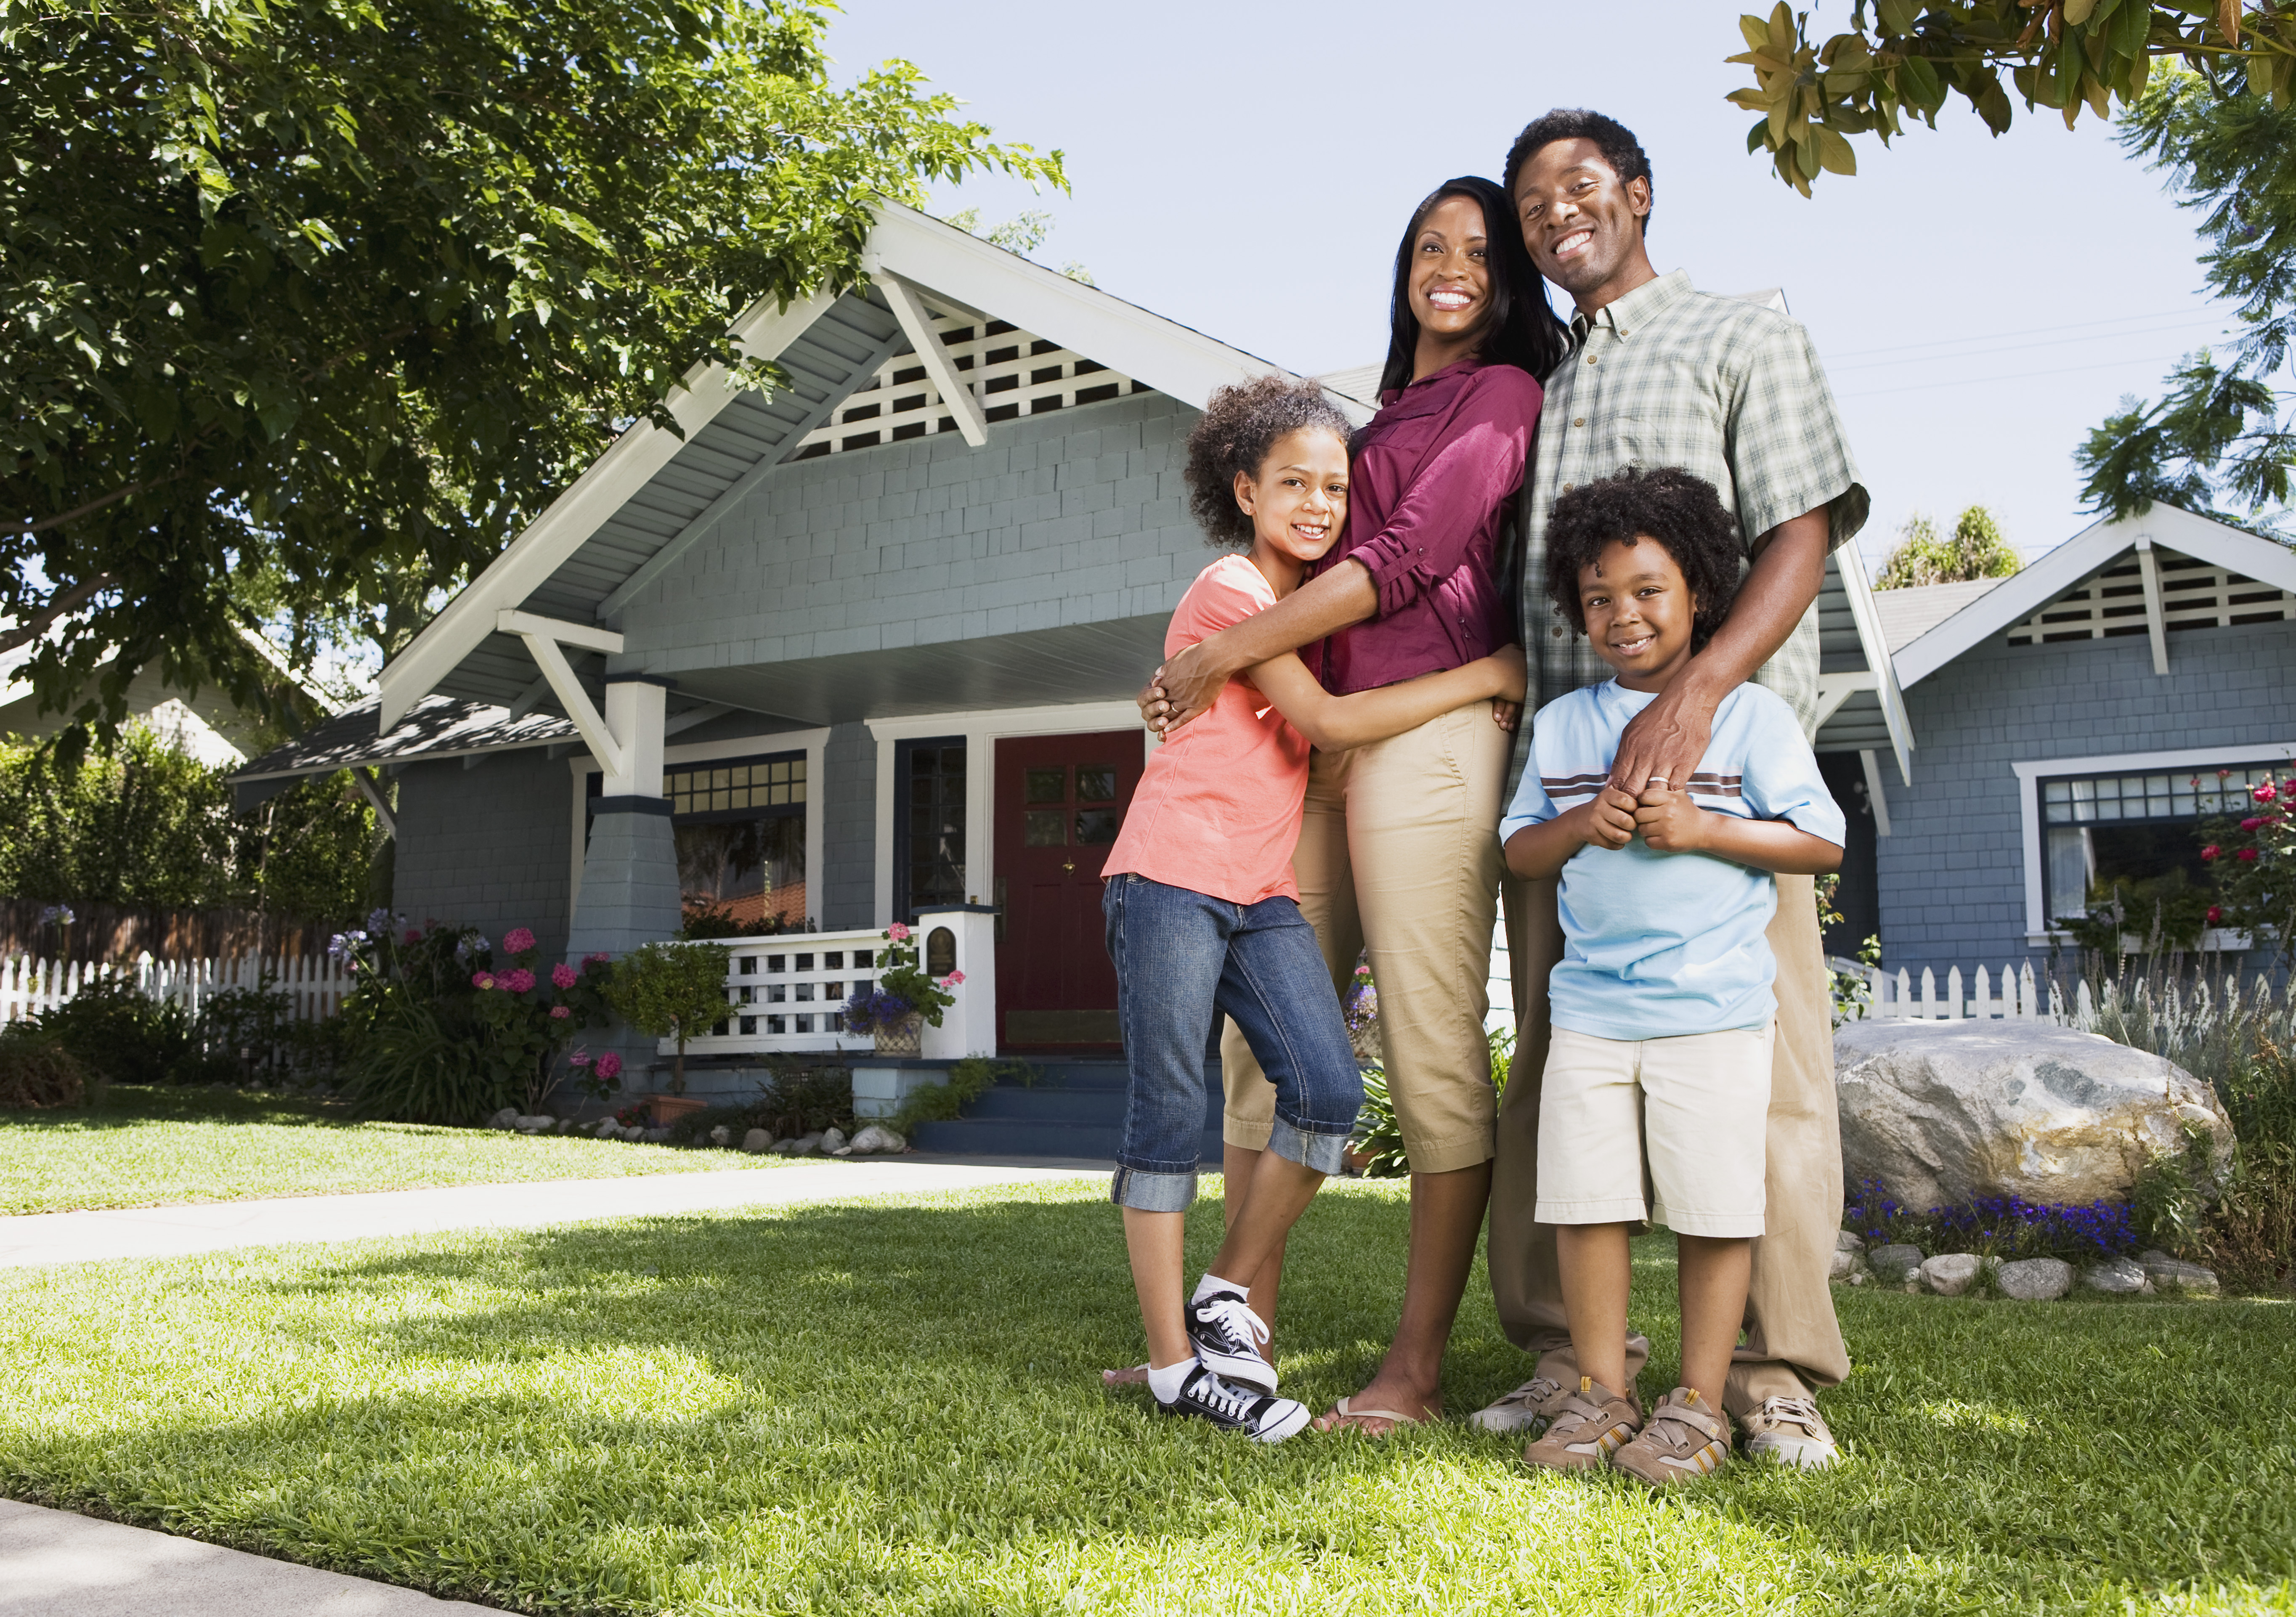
[629, 873]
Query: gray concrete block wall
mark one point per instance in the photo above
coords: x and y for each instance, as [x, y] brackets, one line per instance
[1078, 516]
[1952, 875]
[848, 805]
[489, 847]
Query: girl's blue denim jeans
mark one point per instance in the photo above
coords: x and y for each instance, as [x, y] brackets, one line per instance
[1183, 958]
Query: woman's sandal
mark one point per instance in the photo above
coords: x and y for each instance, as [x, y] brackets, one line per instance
[1341, 1415]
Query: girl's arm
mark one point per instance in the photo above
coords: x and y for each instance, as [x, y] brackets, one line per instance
[1671, 824]
[1337, 722]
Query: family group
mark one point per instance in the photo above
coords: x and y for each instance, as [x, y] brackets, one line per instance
[1622, 522]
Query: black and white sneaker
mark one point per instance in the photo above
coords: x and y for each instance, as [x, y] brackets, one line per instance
[1261, 1418]
[1227, 1335]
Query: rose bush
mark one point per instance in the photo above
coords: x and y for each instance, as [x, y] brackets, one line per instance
[2253, 861]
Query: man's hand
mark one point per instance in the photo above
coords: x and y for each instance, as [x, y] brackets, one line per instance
[1665, 740]
[1669, 821]
[1609, 820]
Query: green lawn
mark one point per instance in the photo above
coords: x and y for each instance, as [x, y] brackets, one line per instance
[142, 1148]
[893, 1407]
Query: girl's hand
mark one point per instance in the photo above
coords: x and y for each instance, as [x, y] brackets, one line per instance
[1668, 820]
[1506, 714]
[1513, 674]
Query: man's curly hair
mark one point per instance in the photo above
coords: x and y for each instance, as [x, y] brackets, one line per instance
[1240, 424]
[1678, 509]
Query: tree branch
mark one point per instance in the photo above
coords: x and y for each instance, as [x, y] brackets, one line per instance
[42, 524]
[69, 601]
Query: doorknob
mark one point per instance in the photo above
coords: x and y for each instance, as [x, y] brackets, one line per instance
[1068, 865]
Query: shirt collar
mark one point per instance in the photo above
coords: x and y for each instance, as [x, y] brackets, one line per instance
[1637, 309]
[1473, 362]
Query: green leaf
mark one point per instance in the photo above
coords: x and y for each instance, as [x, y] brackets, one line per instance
[1833, 152]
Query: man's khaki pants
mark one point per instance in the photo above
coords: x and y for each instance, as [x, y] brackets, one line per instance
[1792, 1343]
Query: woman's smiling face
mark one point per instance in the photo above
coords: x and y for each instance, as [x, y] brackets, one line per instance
[1450, 271]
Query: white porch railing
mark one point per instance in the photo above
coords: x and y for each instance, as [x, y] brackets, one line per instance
[314, 984]
[786, 994]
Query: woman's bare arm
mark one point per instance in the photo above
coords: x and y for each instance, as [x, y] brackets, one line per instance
[1190, 681]
[1337, 722]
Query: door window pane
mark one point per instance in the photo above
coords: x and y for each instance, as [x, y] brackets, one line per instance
[1095, 783]
[1096, 828]
[930, 861]
[1044, 828]
[1045, 786]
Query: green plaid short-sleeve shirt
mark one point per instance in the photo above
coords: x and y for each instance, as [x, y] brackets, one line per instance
[1729, 389]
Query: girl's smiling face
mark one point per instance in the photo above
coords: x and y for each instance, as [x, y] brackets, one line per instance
[1450, 272]
[1298, 502]
[1640, 612]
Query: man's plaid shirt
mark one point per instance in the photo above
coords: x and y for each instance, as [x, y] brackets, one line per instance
[1733, 391]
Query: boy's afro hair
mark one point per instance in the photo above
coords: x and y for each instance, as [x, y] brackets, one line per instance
[1678, 509]
[1240, 424]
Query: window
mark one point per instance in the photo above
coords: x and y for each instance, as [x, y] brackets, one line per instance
[929, 824]
[739, 825]
[2132, 827]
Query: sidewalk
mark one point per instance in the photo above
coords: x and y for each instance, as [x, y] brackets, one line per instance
[53, 1563]
[40, 1239]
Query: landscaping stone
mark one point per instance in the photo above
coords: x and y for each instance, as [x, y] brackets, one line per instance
[757, 1141]
[876, 1139]
[1951, 1273]
[2035, 1279]
[805, 1146]
[507, 1118]
[1845, 1264]
[721, 1136]
[2119, 1275]
[535, 1125]
[607, 1129]
[633, 1133]
[832, 1140]
[1895, 1265]
[1941, 1113]
[654, 1137]
[1849, 1240]
[2175, 1274]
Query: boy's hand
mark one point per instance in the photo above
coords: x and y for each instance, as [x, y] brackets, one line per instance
[1669, 821]
[1609, 819]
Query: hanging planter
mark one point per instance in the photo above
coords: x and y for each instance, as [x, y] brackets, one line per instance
[894, 1012]
[903, 1036]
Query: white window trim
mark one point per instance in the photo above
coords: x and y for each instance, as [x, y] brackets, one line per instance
[2030, 775]
[980, 731]
[812, 743]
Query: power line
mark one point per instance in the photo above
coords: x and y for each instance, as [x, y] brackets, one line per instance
[2013, 376]
[2079, 325]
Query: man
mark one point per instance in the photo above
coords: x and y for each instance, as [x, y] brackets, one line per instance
[1662, 375]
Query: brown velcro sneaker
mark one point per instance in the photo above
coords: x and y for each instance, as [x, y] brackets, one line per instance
[1686, 1437]
[1585, 1427]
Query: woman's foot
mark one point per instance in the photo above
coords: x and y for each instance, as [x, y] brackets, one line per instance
[1136, 1376]
[1379, 1407]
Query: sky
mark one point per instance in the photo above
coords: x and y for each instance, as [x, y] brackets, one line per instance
[1246, 169]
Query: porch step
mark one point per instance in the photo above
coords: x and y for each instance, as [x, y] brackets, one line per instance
[1075, 1108]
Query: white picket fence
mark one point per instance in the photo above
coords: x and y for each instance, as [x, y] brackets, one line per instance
[1892, 997]
[314, 985]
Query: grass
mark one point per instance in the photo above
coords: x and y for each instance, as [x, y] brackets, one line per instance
[142, 1148]
[893, 1407]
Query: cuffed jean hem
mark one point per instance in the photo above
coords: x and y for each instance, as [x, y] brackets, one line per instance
[1615, 1210]
[1324, 1154]
[1148, 1192]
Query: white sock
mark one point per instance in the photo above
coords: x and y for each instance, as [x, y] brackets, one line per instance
[1166, 1383]
[1211, 1283]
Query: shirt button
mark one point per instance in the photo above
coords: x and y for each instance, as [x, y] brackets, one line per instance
[1590, 359]
[1566, 488]
[1579, 421]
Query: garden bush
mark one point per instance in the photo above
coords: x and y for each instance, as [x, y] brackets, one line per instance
[797, 1097]
[35, 1070]
[671, 991]
[122, 1036]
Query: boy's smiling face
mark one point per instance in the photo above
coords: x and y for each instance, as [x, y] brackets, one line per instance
[1639, 612]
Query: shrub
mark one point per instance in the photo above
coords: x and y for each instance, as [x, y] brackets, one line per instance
[672, 990]
[797, 1097]
[122, 1035]
[967, 1081]
[37, 1071]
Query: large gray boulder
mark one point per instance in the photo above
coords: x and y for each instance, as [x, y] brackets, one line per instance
[1943, 1113]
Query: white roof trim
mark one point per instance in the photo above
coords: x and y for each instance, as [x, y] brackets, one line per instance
[1851, 568]
[2019, 598]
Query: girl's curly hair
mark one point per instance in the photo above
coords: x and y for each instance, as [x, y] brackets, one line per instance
[1678, 508]
[1240, 424]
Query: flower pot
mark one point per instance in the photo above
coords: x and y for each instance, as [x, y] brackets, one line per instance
[667, 1109]
[1364, 1040]
[906, 1037]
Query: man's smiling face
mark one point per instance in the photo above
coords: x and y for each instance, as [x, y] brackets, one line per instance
[1582, 224]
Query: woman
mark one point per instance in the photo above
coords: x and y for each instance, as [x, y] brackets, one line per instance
[1399, 853]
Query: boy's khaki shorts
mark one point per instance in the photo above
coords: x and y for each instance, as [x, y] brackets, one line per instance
[1701, 1101]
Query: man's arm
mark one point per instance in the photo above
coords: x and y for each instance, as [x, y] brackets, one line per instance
[1190, 682]
[1669, 736]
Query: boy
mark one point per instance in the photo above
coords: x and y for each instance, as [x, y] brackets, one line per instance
[1662, 1006]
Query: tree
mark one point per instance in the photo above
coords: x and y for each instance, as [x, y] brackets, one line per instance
[1975, 550]
[344, 294]
[1905, 55]
[672, 990]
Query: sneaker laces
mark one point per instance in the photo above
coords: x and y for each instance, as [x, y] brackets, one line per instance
[1533, 1393]
[1217, 1395]
[1234, 1315]
[1801, 1411]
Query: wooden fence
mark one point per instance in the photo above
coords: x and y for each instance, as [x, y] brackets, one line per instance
[121, 932]
[314, 984]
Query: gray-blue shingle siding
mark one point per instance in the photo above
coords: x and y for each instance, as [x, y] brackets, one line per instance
[489, 847]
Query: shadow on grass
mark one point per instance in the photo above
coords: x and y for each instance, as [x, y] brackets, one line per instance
[898, 1406]
[133, 1106]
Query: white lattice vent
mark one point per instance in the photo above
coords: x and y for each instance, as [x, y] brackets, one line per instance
[1012, 372]
[2195, 595]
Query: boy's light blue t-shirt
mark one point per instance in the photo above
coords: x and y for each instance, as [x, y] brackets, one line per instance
[1662, 945]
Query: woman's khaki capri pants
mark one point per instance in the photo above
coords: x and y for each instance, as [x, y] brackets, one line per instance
[1399, 852]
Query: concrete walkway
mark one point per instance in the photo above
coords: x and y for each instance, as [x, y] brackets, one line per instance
[53, 1563]
[39, 1240]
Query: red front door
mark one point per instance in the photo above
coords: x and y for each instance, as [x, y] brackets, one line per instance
[1059, 801]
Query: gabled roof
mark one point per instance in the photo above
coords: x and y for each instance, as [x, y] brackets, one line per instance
[1908, 614]
[2075, 566]
[652, 492]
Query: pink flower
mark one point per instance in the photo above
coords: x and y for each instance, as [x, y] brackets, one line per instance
[580, 1057]
[952, 979]
[2251, 823]
[518, 940]
[559, 1012]
[482, 979]
[610, 1066]
[2215, 914]
[413, 935]
[2266, 793]
[2224, 774]
[898, 932]
[520, 981]
[600, 959]
[2210, 852]
[563, 975]
[2246, 856]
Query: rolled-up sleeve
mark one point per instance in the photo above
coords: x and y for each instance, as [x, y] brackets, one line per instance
[1474, 466]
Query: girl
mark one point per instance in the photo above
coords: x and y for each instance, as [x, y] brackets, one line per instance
[1399, 850]
[1203, 914]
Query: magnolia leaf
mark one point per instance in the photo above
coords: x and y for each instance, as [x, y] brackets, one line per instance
[2076, 10]
[2228, 20]
[1898, 16]
[1833, 152]
[1757, 32]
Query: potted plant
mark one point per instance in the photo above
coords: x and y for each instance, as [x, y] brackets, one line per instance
[672, 990]
[906, 998]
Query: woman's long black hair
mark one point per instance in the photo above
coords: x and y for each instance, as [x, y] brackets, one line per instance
[1522, 327]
